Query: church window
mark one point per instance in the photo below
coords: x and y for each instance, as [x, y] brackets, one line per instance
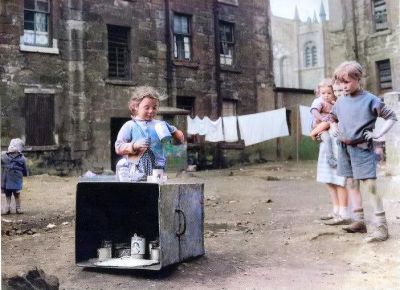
[310, 54]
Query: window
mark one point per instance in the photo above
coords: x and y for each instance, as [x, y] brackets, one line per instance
[39, 119]
[36, 22]
[182, 37]
[186, 103]
[226, 43]
[118, 52]
[310, 54]
[229, 108]
[384, 74]
[380, 15]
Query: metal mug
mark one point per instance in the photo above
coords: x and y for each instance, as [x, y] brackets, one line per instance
[138, 247]
[162, 131]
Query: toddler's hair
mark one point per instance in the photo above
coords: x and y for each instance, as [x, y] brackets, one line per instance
[323, 83]
[16, 145]
[348, 69]
[139, 93]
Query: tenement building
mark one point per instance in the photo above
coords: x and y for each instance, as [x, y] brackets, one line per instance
[67, 67]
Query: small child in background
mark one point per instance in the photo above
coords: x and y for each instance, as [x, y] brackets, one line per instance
[320, 109]
[13, 168]
[138, 140]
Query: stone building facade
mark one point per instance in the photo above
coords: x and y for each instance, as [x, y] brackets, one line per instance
[364, 30]
[299, 50]
[67, 67]
[367, 31]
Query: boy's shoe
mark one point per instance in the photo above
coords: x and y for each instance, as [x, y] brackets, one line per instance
[356, 227]
[380, 234]
[338, 221]
[18, 211]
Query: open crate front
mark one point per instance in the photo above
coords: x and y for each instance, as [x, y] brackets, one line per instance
[114, 211]
[111, 211]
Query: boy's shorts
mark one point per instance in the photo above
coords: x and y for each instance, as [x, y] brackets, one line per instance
[356, 162]
[10, 192]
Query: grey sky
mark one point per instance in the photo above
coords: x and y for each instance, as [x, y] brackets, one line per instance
[285, 8]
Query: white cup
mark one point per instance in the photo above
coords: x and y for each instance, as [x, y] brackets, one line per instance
[162, 131]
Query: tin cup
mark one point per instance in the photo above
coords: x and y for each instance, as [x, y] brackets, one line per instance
[162, 131]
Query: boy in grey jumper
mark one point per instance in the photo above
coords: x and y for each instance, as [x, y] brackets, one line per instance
[356, 113]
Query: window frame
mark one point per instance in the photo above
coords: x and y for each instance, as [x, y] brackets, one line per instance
[229, 44]
[125, 46]
[384, 25]
[34, 32]
[178, 53]
[380, 70]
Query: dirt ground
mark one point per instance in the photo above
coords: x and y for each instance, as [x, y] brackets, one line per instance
[261, 232]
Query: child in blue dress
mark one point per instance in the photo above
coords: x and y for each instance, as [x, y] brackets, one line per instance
[13, 168]
[138, 140]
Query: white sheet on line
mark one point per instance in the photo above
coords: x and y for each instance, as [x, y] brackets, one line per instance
[214, 131]
[230, 129]
[191, 125]
[197, 125]
[260, 127]
[305, 120]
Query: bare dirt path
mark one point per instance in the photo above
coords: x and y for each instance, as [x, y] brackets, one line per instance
[261, 232]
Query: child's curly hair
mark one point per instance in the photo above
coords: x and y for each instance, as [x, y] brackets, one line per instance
[139, 93]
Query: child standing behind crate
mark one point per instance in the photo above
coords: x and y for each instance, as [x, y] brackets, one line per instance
[138, 140]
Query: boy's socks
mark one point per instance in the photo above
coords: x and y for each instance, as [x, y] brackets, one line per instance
[380, 218]
[358, 214]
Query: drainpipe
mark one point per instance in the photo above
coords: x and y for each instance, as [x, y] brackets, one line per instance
[217, 75]
[168, 52]
[354, 29]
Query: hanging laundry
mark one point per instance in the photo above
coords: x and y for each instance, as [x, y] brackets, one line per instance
[260, 127]
[197, 125]
[230, 129]
[306, 119]
[202, 125]
[191, 125]
[214, 131]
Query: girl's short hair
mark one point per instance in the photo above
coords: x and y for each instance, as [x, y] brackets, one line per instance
[139, 93]
[348, 69]
[323, 83]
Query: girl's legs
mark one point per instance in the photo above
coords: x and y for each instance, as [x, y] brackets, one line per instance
[342, 217]
[343, 202]
[334, 199]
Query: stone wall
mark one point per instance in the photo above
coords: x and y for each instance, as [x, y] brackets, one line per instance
[87, 102]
